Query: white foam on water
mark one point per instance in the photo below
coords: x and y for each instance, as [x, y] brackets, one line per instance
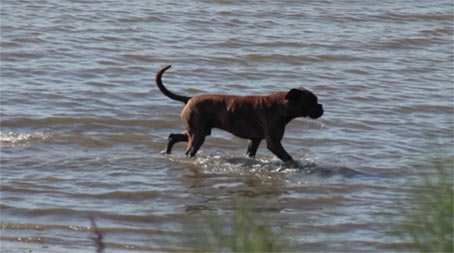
[233, 163]
[14, 139]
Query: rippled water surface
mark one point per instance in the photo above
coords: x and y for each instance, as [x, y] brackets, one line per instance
[83, 124]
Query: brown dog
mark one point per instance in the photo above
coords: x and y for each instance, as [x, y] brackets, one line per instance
[250, 117]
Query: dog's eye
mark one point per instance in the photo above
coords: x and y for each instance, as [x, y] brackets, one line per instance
[315, 99]
[312, 100]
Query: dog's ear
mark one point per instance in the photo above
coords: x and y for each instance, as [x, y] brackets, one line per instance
[293, 94]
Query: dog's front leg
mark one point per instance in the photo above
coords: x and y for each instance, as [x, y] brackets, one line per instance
[273, 143]
[253, 146]
[278, 150]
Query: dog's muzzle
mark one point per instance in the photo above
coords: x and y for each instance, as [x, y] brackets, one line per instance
[317, 113]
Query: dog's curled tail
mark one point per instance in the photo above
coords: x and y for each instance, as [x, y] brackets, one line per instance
[164, 90]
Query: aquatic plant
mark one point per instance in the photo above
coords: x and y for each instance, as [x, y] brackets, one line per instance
[98, 237]
[242, 231]
[428, 220]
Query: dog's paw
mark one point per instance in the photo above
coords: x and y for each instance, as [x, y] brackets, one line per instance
[289, 165]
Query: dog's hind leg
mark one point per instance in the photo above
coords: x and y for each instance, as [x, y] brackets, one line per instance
[174, 138]
[253, 146]
[195, 142]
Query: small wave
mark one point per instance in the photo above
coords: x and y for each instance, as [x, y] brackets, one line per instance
[22, 55]
[300, 59]
[141, 58]
[13, 139]
[408, 42]
[80, 213]
[86, 122]
[328, 171]
[293, 59]
[411, 16]
[133, 195]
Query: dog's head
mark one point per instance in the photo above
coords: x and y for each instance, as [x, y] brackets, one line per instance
[304, 103]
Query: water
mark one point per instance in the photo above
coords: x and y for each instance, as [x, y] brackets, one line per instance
[83, 124]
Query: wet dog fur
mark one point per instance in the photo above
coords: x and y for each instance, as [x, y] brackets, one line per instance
[251, 117]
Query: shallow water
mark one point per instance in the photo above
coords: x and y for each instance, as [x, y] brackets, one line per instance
[83, 124]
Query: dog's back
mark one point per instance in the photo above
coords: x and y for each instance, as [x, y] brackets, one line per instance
[242, 116]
